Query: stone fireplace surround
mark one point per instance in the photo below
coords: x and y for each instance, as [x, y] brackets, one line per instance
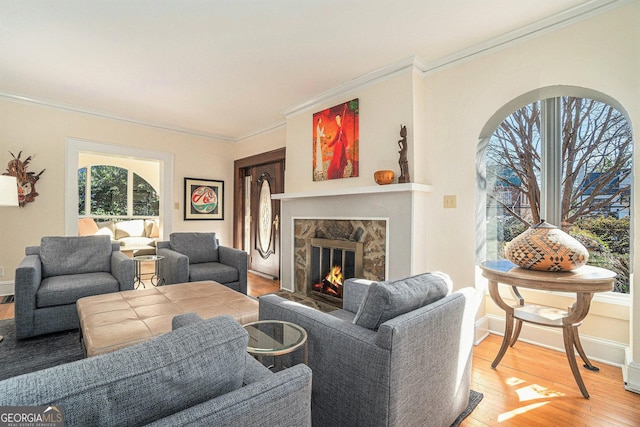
[370, 232]
[394, 204]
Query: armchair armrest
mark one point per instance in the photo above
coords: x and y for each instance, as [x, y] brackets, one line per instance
[122, 270]
[286, 394]
[27, 282]
[237, 259]
[174, 268]
[354, 292]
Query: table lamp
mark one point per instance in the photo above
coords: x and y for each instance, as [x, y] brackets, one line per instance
[8, 195]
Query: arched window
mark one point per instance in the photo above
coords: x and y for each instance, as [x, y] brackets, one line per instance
[112, 191]
[566, 160]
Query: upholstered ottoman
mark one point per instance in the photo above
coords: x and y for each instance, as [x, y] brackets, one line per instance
[112, 321]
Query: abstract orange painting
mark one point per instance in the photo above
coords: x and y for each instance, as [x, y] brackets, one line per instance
[335, 142]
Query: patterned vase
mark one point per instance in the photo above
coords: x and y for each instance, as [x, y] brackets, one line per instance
[545, 247]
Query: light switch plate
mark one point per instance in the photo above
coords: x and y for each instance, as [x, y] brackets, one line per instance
[449, 201]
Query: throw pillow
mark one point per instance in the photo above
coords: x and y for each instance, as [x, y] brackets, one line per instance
[87, 227]
[132, 228]
[386, 300]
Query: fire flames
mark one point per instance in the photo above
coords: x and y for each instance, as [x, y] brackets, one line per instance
[332, 283]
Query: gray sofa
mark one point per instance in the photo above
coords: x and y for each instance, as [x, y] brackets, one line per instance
[199, 375]
[53, 276]
[194, 257]
[138, 236]
[397, 354]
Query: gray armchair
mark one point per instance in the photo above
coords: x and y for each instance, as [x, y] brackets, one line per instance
[193, 257]
[200, 374]
[397, 354]
[53, 276]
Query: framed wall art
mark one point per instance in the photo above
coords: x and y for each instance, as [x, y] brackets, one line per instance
[336, 136]
[203, 199]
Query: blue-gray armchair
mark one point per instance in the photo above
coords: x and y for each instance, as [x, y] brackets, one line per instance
[200, 374]
[53, 276]
[397, 354]
[194, 257]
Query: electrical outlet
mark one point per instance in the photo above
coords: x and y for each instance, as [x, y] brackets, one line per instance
[449, 201]
[176, 206]
[1, 271]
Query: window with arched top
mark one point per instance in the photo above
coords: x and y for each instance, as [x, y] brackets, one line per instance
[112, 191]
[567, 160]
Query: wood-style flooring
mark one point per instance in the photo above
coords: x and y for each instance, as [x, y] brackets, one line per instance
[532, 386]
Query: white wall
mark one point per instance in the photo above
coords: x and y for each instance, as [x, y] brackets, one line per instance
[42, 132]
[384, 105]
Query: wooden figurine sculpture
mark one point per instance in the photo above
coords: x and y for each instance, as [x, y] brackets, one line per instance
[404, 163]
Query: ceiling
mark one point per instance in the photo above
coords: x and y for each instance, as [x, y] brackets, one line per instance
[228, 69]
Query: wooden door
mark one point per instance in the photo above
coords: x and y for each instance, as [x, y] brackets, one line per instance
[264, 235]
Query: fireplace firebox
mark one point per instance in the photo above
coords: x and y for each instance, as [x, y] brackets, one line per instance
[329, 264]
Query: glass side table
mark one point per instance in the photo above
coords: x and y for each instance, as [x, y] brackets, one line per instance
[137, 270]
[275, 338]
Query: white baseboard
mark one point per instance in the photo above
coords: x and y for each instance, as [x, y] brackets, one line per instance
[631, 373]
[7, 288]
[481, 330]
[597, 349]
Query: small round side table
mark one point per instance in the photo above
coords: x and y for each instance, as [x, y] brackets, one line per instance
[275, 338]
[137, 264]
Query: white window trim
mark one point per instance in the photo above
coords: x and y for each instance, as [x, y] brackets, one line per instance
[75, 146]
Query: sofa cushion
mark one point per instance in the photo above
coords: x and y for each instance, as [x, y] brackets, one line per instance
[75, 255]
[136, 242]
[215, 271]
[107, 228]
[87, 227]
[142, 383]
[151, 228]
[198, 247]
[67, 289]
[386, 300]
[132, 228]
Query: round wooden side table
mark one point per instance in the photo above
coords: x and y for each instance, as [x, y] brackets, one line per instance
[584, 282]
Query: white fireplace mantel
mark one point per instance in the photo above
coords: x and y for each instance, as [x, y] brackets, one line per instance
[348, 191]
[396, 204]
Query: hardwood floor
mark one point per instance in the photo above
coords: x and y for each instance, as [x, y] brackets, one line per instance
[532, 386]
[258, 285]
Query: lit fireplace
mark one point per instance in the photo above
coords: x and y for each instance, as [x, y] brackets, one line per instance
[329, 264]
[331, 284]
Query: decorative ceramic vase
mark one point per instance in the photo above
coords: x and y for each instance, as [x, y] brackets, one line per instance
[545, 247]
[383, 177]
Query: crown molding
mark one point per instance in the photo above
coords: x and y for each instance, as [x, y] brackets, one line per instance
[413, 62]
[544, 26]
[51, 104]
[537, 29]
[270, 128]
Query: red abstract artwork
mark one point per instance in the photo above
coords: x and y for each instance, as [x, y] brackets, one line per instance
[335, 142]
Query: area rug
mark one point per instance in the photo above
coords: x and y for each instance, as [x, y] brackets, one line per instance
[19, 357]
[474, 398]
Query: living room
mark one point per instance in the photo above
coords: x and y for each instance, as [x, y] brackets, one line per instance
[448, 106]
